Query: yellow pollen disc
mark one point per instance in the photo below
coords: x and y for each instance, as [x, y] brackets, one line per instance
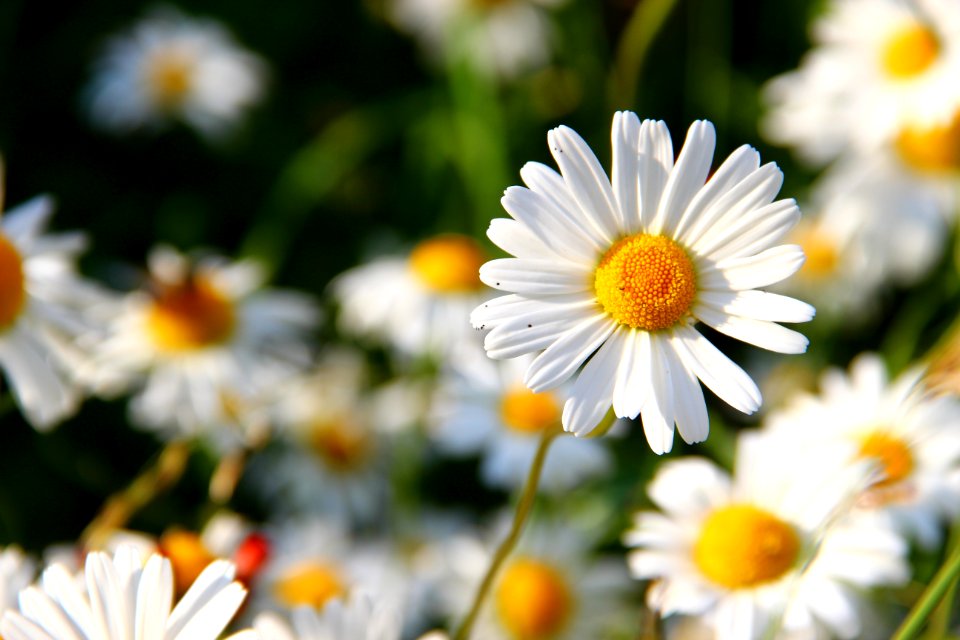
[190, 316]
[932, 149]
[741, 546]
[910, 51]
[646, 282]
[312, 584]
[169, 77]
[448, 263]
[891, 452]
[188, 556]
[533, 600]
[12, 291]
[820, 250]
[528, 412]
[341, 444]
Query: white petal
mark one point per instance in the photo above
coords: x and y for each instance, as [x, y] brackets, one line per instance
[590, 396]
[766, 268]
[38, 606]
[655, 161]
[561, 359]
[517, 240]
[547, 183]
[510, 341]
[586, 180]
[535, 277]
[691, 409]
[657, 413]
[214, 615]
[751, 233]
[214, 579]
[510, 307]
[721, 375]
[766, 335]
[630, 386]
[14, 626]
[154, 598]
[549, 225]
[625, 136]
[687, 177]
[28, 219]
[758, 305]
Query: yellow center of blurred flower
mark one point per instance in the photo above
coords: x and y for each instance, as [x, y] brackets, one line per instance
[533, 600]
[821, 251]
[448, 263]
[931, 149]
[190, 316]
[741, 546]
[910, 51]
[891, 452]
[646, 282]
[12, 291]
[169, 77]
[188, 556]
[340, 443]
[528, 412]
[312, 584]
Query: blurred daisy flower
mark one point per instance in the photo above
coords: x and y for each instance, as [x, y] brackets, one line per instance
[879, 66]
[418, 304]
[616, 275]
[358, 617]
[765, 548]
[210, 342]
[912, 435]
[492, 413]
[43, 309]
[122, 597]
[499, 37]
[16, 572]
[170, 66]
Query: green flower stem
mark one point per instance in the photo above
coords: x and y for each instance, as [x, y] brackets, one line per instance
[940, 618]
[519, 519]
[942, 583]
[639, 34]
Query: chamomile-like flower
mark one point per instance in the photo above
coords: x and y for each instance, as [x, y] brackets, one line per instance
[613, 276]
[766, 548]
[16, 573]
[170, 67]
[210, 342]
[121, 597]
[878, 66]
[358, 617]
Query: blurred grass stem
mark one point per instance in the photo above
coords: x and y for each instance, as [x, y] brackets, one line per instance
[639, 34]
[943, 583]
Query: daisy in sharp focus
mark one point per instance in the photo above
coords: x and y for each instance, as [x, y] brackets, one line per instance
[766, 550]
[613, 276]
[169, 66]
[121, 597]
[208, 342]
[878, 66]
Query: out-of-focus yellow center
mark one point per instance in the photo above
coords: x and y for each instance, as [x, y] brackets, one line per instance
[340, 443]
[646, 282]
[448, 263]
[533, 600]
[931, 149]
[741, 546]
[190, 316]
[169, 77]
[188, 556]
[892, 453]
[909, 51]
[822, 254]
[312, 584]
[528, 412]
[12, 291]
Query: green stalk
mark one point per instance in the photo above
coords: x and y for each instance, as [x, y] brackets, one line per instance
[943, 582]
[639, 34]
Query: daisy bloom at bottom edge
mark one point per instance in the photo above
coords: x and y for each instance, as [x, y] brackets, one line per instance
[612, 275]
[120, 597]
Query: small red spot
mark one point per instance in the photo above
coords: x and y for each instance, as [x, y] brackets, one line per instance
[250, 556]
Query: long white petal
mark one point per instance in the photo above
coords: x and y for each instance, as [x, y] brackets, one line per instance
[154, 598]
[630, 387]
[721, 374]
[625, 137]
[505, 308]
[561, 359]
[655, 161]
[536, 277]
[758, 305]
[547, 183]
[559, 233]
[751, 233]
[657, 412]
[687, 177]
[590, 396]
[767, 335]
[749, 272]
[517, 240]
[586, 180]
[689, 405]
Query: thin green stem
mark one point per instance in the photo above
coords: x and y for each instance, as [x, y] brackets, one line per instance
[639, 34]
[941, 584]
[940, 618]
[524, 505]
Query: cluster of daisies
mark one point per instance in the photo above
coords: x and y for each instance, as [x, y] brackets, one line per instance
[605, 319]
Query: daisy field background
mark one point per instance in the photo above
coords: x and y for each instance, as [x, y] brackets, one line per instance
[237, 325]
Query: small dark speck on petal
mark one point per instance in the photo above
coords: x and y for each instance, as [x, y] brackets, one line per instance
[529, 326]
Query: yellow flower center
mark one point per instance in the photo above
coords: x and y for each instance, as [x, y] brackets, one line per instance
[169, 77]
[533, 600]
[341, 444]
[448, 263]
[741, 546]
[13, 294]
[188, 556]
[646, 282]
[891, 452]
[312, 584]
[190, 316]
[821, 250]
[931, 149]
[527, 412]
[909, 51]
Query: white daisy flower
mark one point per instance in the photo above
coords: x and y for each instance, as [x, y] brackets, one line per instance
[170, 66]
[912, 435]
[501, 38]
[359, 618]
[492, 413]
[765, 548]
[878, 65]
[122, 597]
[616, 276]
[16, 573]
[211, 343]
[418, 304]
[43, 304]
